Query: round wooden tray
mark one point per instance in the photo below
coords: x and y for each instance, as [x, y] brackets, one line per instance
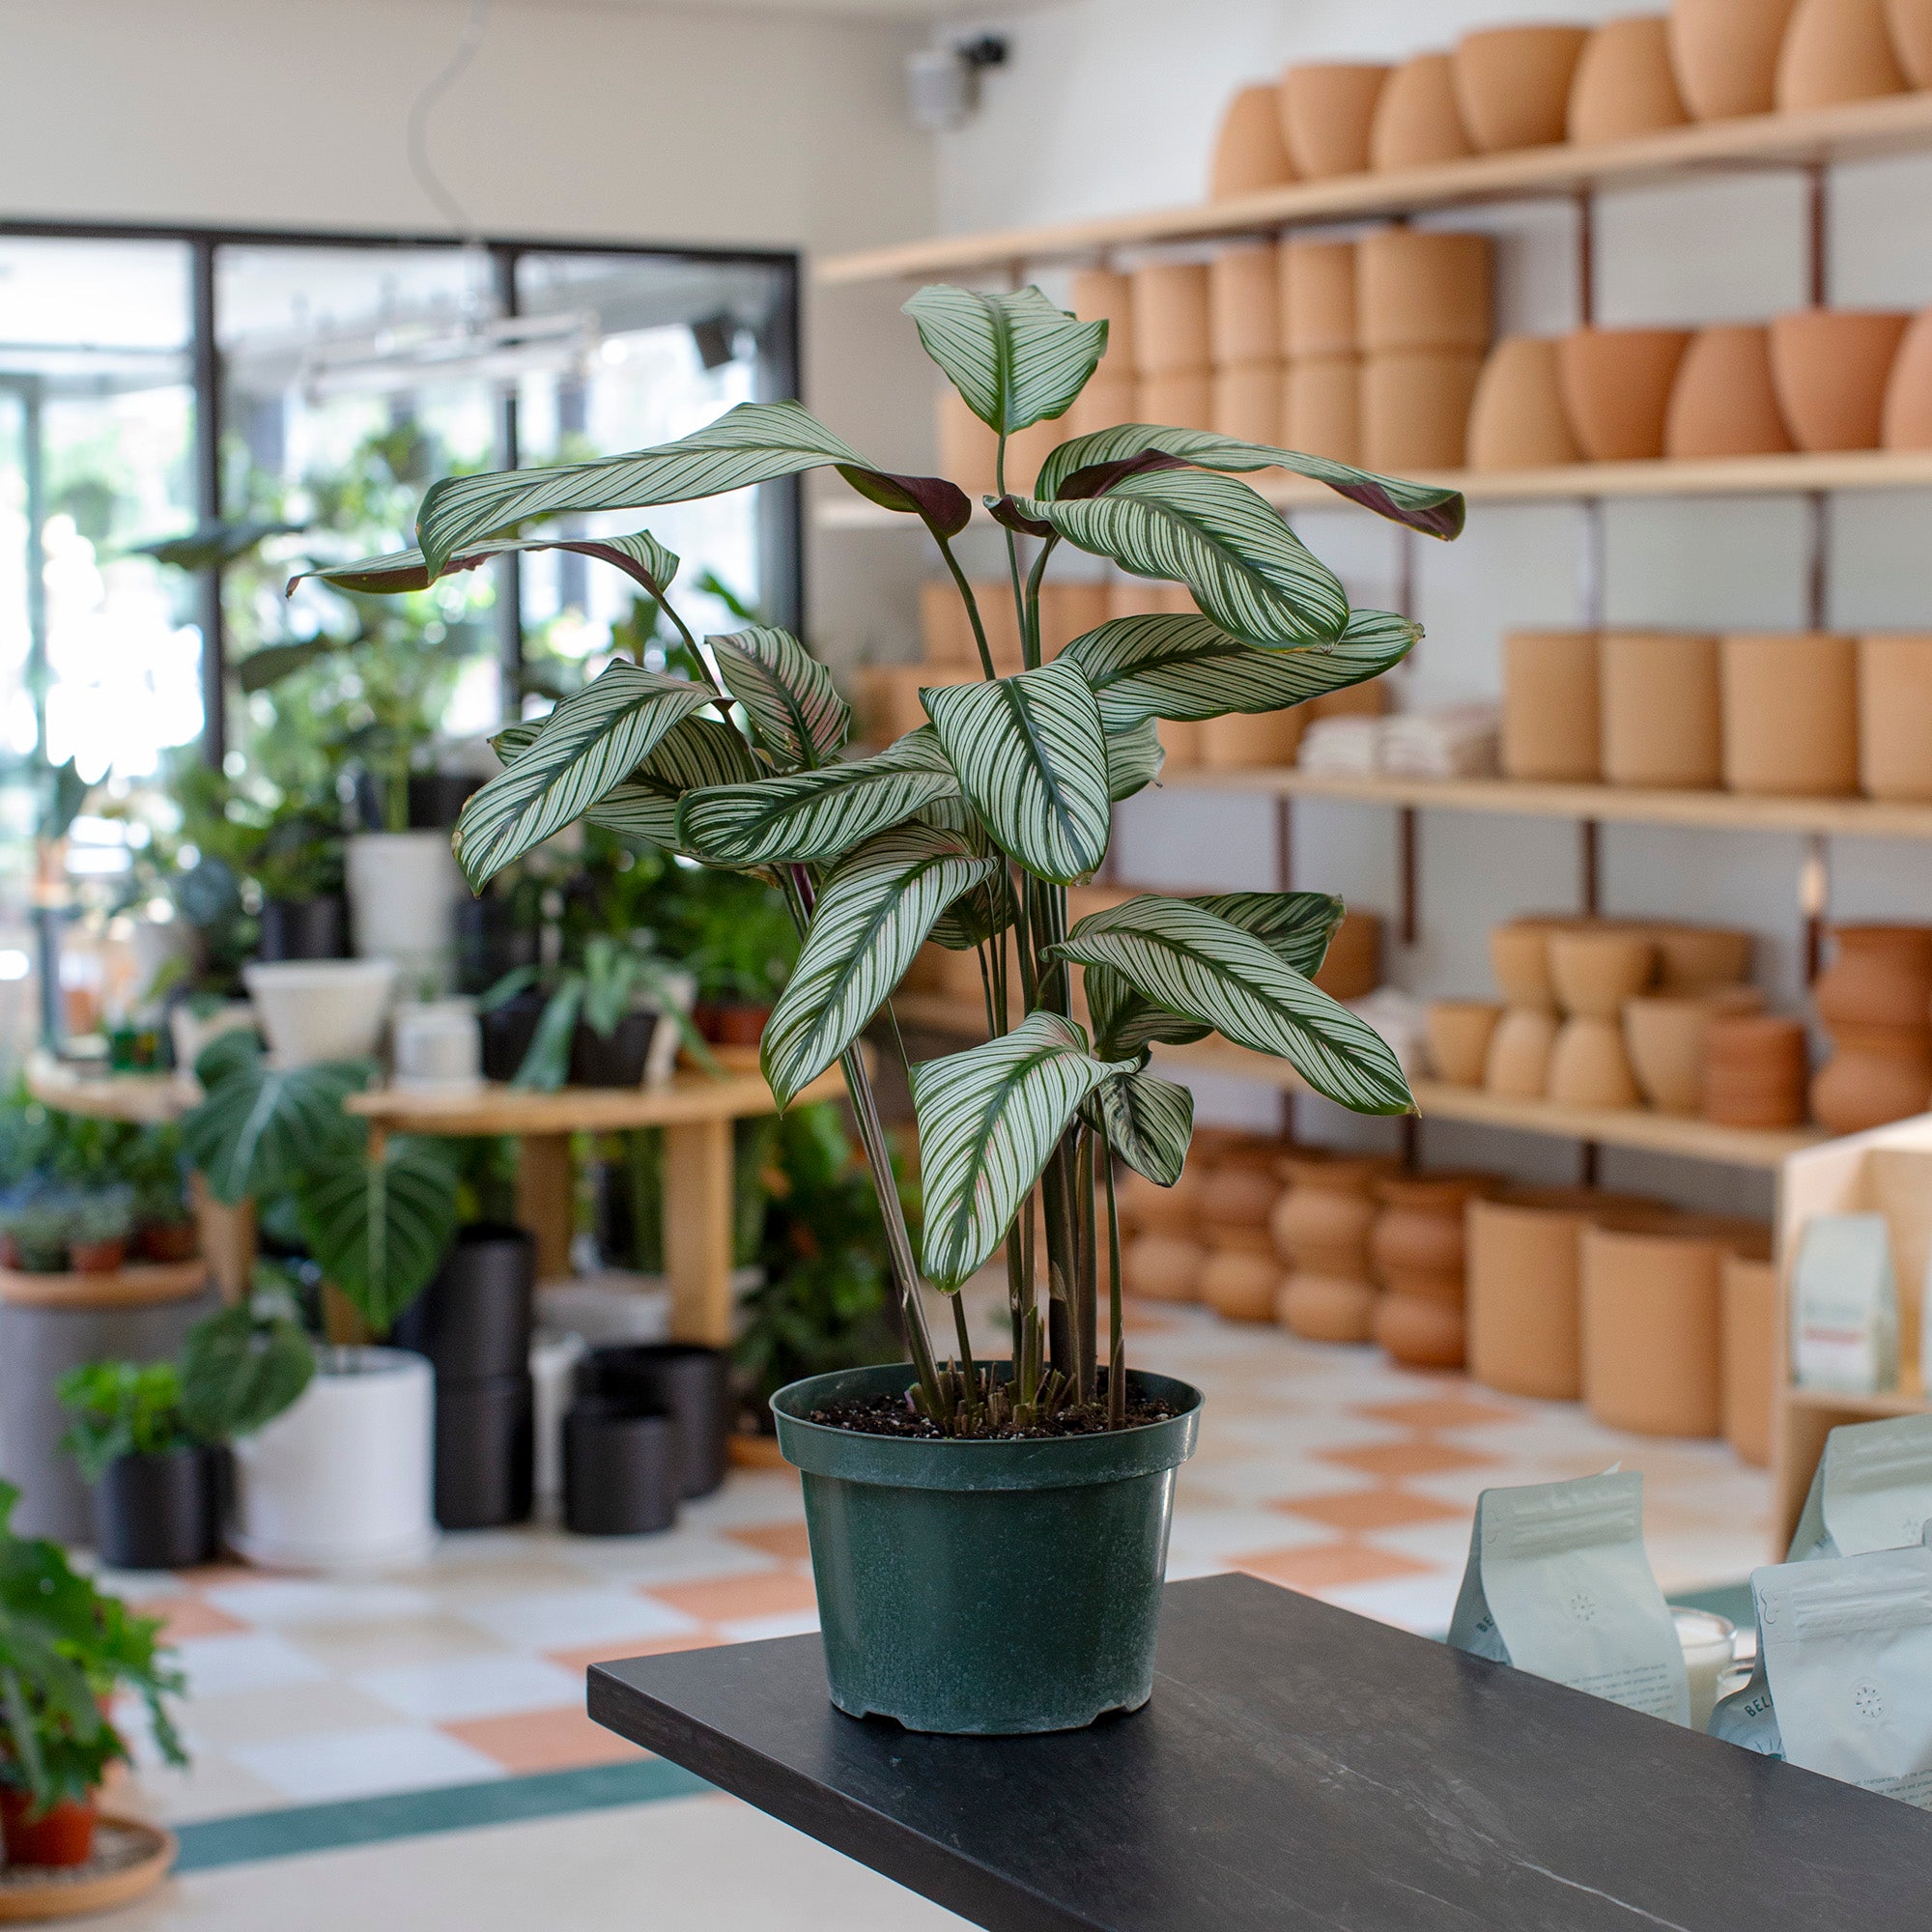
[128, 1858]
[139, 1285]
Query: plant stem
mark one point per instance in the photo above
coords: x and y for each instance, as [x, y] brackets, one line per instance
[972, 606]
[1117, 1350]
[1029, 645]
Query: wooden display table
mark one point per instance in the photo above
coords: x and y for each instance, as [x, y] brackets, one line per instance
[137, 1285]
[696, 1111]
[146, 1099]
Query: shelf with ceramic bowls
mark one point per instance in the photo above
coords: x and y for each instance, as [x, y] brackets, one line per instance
[1856, 130]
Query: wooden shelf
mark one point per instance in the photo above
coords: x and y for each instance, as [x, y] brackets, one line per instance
[1858, 130]
[146, 1098]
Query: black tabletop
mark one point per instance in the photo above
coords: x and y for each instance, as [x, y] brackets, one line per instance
[1298, 1767]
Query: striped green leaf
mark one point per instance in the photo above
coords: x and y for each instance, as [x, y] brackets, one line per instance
[1295, 926]
[793, 700]
[1422, 506]
[1184, 958]
[695, 752]
[978, 915]
[1017, 358]
[1247, 570]
[874, 911]
[1127, 1024]
[1187, 668]
[987, 1119]
[587, 746]
[640, 557]
[816, 815]
[1148, 1122]
[1134, 758]
[379, 1228]
[513, 740]
[1032, 758]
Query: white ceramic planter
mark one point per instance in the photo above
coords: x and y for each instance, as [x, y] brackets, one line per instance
[191, 1032]
[555, 1354]
[438, 1047]
[342, 1480]
[317, 1009]
[404, 889]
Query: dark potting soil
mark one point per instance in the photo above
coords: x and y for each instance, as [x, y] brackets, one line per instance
[893, 1415]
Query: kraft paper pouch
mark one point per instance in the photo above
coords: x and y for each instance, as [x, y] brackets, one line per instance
[1557, 1585]
[1872, 1489]
[1844, 1305]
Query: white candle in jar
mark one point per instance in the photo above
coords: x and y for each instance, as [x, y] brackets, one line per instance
[1709, 1643]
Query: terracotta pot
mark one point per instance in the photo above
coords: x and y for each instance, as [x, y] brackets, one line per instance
[1551, 729]
[1321, 1309]
[1245, 400]
[1906, 421]
[1590, 1067]
[1321, 407]
[1176, 402]
[1238, 1194]
[1417, 122]
[1661, 713]
[1149, 1209]
[59, 1838]
[1831, 366]
[1624, 85]
[1791, 714]
[1244, 305]
[1327, 108]
[1241, 742]
[1250, 156]
[1415, 408]
[1754, 1071]
[1419, 288]
[1518, 1067]
[1106, 400]
[1418, 1333]
[1330, 1223]
[1524, 1252]
[1352, 966]
[1520, 958]
[1665, 1033]
[97, 1256]
[1027, 449]
[1241, 1286]
[1181, 742]
[1107, 294]
[1171, 332]
[1616, 388]
[1070, 610]
[967, 447]
[1354, 700]
[1895, 715]
[1512, 84]
[1459, 1032]
[1595, 969]
[1875, 1074]
[1836, 50]
[945, 631]
[1697, 958]
[1725, 53]
[1518, 418]
[1163, 1268]
[1750, 1355]
[1653, 1330]
[1419, 1232]
[1723, 402]
[1317, 297]
[1910, 25]
[1880, 976]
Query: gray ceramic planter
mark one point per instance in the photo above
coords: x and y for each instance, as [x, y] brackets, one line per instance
[985, 1589]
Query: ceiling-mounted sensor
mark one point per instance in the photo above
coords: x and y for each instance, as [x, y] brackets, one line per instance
[943, 83]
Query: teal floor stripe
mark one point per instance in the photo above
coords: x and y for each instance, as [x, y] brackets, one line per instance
[411, 1814]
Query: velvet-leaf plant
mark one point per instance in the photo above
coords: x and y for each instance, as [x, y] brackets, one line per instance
[969, 830]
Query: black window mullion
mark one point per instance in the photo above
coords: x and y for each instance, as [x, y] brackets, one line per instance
[208, 507]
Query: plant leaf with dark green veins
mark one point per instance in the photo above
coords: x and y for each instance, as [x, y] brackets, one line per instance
[640, 556]
[1148, 1122]
[1017, 359]
[793, 700]
[694, 753]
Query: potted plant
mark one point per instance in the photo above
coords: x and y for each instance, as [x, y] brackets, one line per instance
[988, 1539]
[37, 1229]
[742, 944]
[297, 865]
[164, 1223]
[98, 1227]
[66, 1649]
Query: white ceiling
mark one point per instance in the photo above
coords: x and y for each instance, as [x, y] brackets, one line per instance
[867, 9]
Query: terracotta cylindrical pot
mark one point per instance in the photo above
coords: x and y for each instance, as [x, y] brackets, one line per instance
[1524, 1254]
[1459, 1032]
[1512, 84]
[946, 632]
[1836, 50]
[1352, 966]
[1324, 1308]
[1415, 408]
[1243, 742]
[1250, 156]
[1750, 1355]
[1698, 958]
[1895, 715]
[1027, 449]
[1879, 976]
[1176, 401]
[1911, 24]
[1163, 1268]
[967, 447]
[1517, 1067]
[1830, 367]
[1756, 1068]
[1105, 402]
[1520, 958]
[1317, 307]
[1552, 712]
[1070, 610]
[1238, 1194]
[1327, 108]
[1244, 305]
[1723, 402]
[1725, 53]
[1170, 333]
[1246, 400]
[1616, 388]
[1419, 288]
[1590, 1067]
[1875, 1075]
[1417, 122]
[1240, 1283]
[1108, 295]
[1420, 1229]
[1662, 709]
[1906, 421]
[1791, 713]
[1624, 85]
[1653, 1330]
[1518, 418]
[1321, 407]
[1665, 1033]
[1596, 969]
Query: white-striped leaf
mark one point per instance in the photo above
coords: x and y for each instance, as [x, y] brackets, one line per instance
[378, 1229]
[751, 443]
[1134, 758]
[978, 915]
[1184, 958]
[1148, 1122]
[1017, 358]
[987, 1119]
[816, 815]
[1247, 570]
[1423, 506]
[513, 740]
[640, 557]
[694, 752]
[1187, 668]
[790, 696]
[1124, 1023]
[1031, 756]
[587, 746]
[874, 911]
[1294, 927]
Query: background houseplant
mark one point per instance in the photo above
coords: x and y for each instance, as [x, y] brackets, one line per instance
[969, 830]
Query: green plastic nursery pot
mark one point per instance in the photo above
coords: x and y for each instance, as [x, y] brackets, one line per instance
[985, 1589]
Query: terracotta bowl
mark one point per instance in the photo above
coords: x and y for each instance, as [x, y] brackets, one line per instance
[1518, 418]
[1724, 401]
[1911, 24]
[1624, 86]
[1518, 1067]
[1664, 1034]
[1318, 306]
[1237, 1195]
[1895, 715]
[1163, 1268]
[1239, 1286]
[1512, 84]
[1520, 958]
[1590, 1067]
[1250, 156]
[1594, 972]
[1830, 367]
[1551, 713]
[1327, 108]
[1319, 1309]
[1725, 54]
[1616, 388]
[1906, 421]
[1836, 50]
[1791, 714]
[1459, 1032]
[1699, 959]
[1417, 122]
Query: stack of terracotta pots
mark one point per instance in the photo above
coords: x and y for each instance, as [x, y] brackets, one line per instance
[1321, 1228]
[1516, 1064]
[1875, 1001]
[1416, 1249]
[1161, 1252]
[1321, 394]
[1245, 342]
[1594, 970]
[1424, 308]
[1173, 345]
[1755, 1070]
[1105, 294]
[1240, 1192]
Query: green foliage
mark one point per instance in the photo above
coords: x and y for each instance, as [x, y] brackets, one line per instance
[123, 1409]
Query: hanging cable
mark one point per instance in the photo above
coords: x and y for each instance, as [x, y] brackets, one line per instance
[427, 178]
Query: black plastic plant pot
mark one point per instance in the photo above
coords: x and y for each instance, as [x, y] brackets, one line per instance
[159, 1512]
[507, 1033]
[488, 943]
[304, 929]
[474, 1319]
[437, 799]
[688, 1382]
[620, 1469]
[616, 1059]
[485, 1451]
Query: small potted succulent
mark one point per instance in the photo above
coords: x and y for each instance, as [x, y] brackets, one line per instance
[99, 1223]
[37, 1232]
[744, 948]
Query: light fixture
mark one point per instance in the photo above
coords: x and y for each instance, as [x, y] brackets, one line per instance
[398, 356]
[943, 83]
